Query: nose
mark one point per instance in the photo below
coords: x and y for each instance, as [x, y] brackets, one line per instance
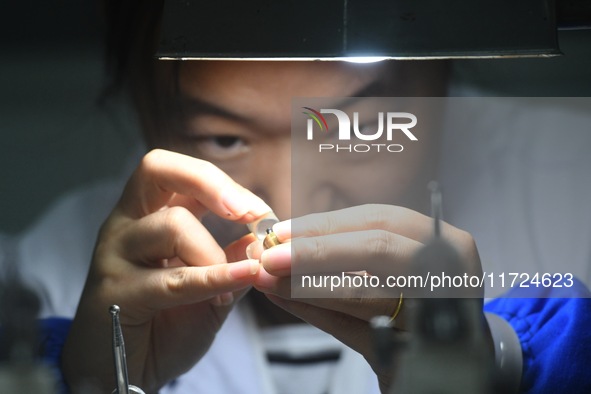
[295, 189]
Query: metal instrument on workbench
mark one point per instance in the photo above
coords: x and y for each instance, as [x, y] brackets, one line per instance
[123, 386]
[445, 348]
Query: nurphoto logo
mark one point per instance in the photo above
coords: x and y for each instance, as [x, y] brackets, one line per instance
[395, 122]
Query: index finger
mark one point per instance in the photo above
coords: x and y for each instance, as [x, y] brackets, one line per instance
[391, 218]
[163, 174]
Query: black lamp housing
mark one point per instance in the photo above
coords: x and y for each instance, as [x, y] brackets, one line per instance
[345, 29]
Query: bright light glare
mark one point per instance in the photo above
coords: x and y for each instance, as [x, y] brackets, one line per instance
[356, 59]
[350, 59]
[364, 59]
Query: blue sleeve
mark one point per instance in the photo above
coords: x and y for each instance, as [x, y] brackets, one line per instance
[555, 336]
[54, 332]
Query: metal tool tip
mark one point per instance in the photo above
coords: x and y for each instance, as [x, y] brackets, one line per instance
[433, 186]
[114, 309]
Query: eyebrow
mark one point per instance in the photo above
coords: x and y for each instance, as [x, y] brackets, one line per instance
[190, 105]
[375, 88]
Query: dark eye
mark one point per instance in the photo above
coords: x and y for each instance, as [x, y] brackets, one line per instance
[226, 141]
[222, 147]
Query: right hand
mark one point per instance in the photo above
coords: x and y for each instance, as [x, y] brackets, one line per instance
[170, 277]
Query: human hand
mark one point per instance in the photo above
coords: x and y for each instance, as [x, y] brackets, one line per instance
[377, 239]
[171, 279]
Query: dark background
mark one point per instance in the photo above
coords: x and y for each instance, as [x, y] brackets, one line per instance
[54, 135]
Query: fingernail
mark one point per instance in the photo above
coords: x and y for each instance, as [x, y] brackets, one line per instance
[265, 282]
[216, 301]
[254, 250]
[239, 201]
[257, 206]
[277, 260]
[223, 299]
[242, 269]
[283, 230]
[226, 298]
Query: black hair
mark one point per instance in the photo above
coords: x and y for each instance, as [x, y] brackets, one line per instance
[131, 39]
[132, 28]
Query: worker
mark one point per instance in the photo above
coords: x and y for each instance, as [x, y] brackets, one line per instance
[173, 255]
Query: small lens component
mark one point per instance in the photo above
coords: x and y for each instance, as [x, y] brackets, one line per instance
[259, 227]
[271, 239]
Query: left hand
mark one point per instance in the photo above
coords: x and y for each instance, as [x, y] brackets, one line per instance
[379, 239]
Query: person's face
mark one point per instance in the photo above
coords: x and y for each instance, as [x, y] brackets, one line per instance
[237, 115]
